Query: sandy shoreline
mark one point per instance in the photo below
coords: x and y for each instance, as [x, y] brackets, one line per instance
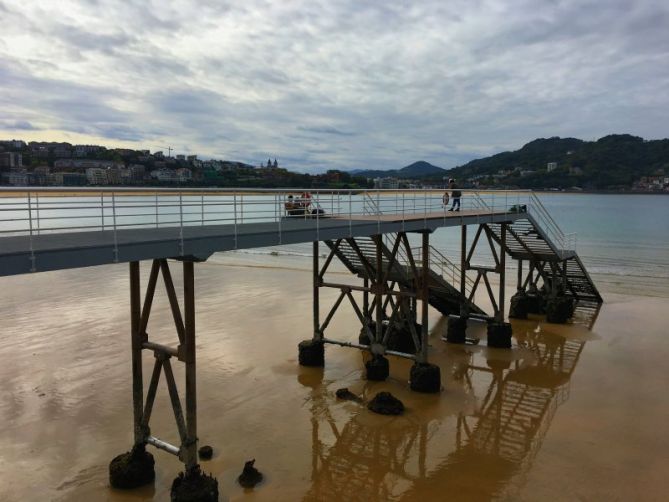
[67, 411]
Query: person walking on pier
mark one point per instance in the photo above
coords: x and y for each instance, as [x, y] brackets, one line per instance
[455, 195]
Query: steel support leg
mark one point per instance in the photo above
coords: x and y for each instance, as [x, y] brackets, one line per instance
[312, 352]
[379, 289]
[424, 296]
[502, 275]
[425, 377]
[316, 292]
[190, 446]
[136, 347]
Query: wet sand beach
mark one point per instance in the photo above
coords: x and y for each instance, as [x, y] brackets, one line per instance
[568, 414]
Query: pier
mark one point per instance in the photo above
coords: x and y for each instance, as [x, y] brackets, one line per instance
[383, 238]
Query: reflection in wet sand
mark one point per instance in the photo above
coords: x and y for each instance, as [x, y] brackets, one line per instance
[493, 443]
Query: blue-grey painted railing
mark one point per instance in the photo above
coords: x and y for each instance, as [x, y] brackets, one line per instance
[34, 211]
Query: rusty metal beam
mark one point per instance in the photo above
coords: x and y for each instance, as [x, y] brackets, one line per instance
[333, 310]
[333, 250]
[151, 393]
[172, 296]
[363, 259]
[174, 399]
[490, 293]
[148, 298]
[473, 246]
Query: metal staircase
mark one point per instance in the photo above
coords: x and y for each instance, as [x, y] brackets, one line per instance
[359, 256]
[537, 238]
[526, 240]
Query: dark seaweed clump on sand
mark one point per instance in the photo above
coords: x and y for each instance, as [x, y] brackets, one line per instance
[250, 476]
[386, 404]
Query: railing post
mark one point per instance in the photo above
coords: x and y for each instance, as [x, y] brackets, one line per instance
[234, 209]
[102, 210]
[425, 209]
[378, 211]
[350, 214]
[30, 238]
[157, 218]
[181, 224]
[278, 211]
[318, 219]
[37, 211]
[114, 222]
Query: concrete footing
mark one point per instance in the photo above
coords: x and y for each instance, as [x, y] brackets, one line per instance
[536, 303]
[377, 368]
[499, 335]
[521, 304]
[364, 339]
[194, 486]
[560, 309]
[457, 330]
[132, 469]
[400, 338]
[425, 377]
[311, 353]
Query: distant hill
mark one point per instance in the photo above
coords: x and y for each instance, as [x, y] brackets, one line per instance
[612, 161]
[420, 169]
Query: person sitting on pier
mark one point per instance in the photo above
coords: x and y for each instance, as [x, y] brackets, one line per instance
[455, 195]
[305, 201]
[293, 207]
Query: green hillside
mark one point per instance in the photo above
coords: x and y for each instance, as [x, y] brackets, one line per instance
[614, 161]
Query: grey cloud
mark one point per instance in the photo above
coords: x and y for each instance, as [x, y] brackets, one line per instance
[17, 125]
[189, 101]
[344, 84]
[325, 130]
[84, 40]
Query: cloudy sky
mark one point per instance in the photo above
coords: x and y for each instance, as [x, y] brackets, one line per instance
[333, 84]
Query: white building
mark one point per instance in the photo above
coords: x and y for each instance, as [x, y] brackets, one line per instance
[551, 166]
[164, 174]
[18, 177]
[184, 175]
[96, 176]
[11, 159]
[390, 183]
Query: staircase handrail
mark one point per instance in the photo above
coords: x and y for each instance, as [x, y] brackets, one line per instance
[370, 206]
[478, 202]
[446, 268]
[565, 242]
